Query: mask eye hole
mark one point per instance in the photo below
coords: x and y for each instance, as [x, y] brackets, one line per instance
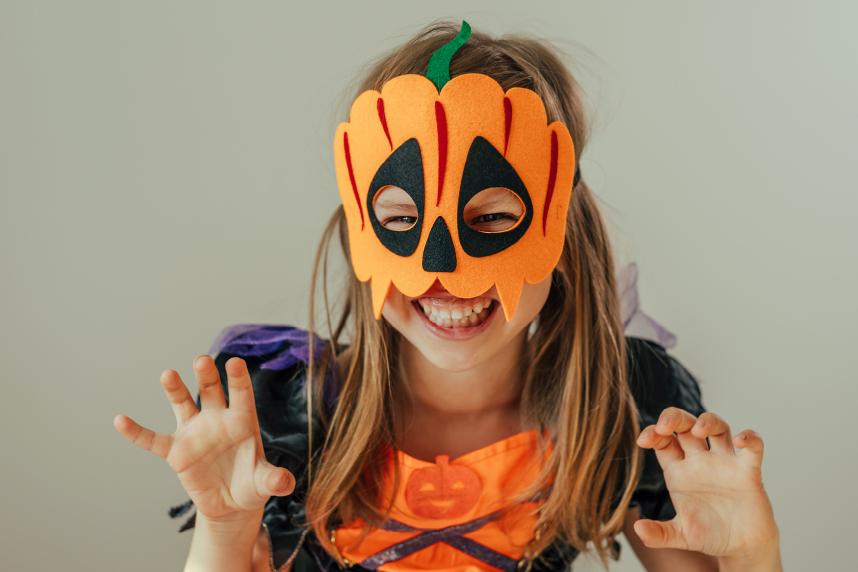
[495, 209]
[394, 208]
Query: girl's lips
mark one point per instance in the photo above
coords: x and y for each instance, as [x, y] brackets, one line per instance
[460, 333]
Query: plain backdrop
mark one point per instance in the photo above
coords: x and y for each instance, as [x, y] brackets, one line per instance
[166, 168]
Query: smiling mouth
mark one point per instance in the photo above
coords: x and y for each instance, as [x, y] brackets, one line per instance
[456, 314]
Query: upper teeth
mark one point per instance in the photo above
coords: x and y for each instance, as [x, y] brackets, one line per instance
[458, 315]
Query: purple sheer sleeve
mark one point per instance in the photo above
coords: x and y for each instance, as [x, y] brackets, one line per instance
[637, 323]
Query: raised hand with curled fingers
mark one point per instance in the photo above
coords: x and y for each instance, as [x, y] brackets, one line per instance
[216, 450]
[716, 489]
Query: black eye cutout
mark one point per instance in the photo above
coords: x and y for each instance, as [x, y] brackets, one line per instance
[488, 177]
[495, 209]
[395, 209]
[398, 181]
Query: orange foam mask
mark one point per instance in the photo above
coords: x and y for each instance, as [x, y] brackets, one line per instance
[442, 141]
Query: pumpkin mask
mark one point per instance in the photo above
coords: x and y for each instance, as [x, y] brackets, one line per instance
[439, 146]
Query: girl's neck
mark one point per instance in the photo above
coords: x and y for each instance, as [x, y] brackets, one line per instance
[489, 387]
[454, 413]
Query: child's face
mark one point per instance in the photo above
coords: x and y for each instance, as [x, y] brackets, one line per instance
[457, 334]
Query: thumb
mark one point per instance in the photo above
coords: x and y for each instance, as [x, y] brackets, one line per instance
[271, 480]
[660, 534]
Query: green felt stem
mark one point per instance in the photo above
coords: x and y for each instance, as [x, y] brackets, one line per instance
[438, 69]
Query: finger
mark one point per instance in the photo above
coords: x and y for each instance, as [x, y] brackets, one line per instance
[750, 446]
[178, 395]
[240, 386]
[680, 421]
[273, 481]
[142, 437]
[208, 379]
[712, 425]
[660, 534]
[241, 397]
[667, 449]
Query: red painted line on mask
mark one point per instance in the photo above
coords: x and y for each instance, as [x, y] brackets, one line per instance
[352, 176]
[507, 121]
[383, 119]
[552, 177]
[441, 121]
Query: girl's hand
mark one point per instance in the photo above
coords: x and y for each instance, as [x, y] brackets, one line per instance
[217, 451]
[721, 506]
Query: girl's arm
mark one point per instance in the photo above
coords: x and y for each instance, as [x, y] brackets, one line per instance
[216, 547]
[227, 546]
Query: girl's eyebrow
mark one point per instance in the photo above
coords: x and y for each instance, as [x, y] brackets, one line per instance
[394, 205]
[496, 202]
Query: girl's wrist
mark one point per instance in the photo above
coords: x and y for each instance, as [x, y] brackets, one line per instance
[231, 528]
[224, 543]
[764, 558]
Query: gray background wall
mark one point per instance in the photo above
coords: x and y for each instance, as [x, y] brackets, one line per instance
[165, 169]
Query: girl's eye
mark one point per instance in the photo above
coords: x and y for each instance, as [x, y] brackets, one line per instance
[394, 208]
[493, 221]
[495, 209]
[399, 222]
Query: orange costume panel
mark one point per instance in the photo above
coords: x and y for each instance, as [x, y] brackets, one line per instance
[447, 515]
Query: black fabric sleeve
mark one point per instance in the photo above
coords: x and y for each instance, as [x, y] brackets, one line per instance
[657, 380]
[276, 357]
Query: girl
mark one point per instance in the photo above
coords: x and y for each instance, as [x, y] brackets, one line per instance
[494, 409]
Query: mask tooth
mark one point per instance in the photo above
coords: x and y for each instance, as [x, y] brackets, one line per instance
[509, 292]
[379, 286]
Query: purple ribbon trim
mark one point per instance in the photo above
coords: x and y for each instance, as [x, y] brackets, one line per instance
[452, 535]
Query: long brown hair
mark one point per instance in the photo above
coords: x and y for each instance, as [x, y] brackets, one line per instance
[575, 374]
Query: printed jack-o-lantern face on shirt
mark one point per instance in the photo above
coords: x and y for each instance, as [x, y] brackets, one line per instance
[442, 490]
[448, 155]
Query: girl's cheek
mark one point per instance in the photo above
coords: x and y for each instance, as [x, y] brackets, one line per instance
[396, 310]
[533, 298]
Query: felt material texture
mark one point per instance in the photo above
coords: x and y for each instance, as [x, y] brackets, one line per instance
[470, 135]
